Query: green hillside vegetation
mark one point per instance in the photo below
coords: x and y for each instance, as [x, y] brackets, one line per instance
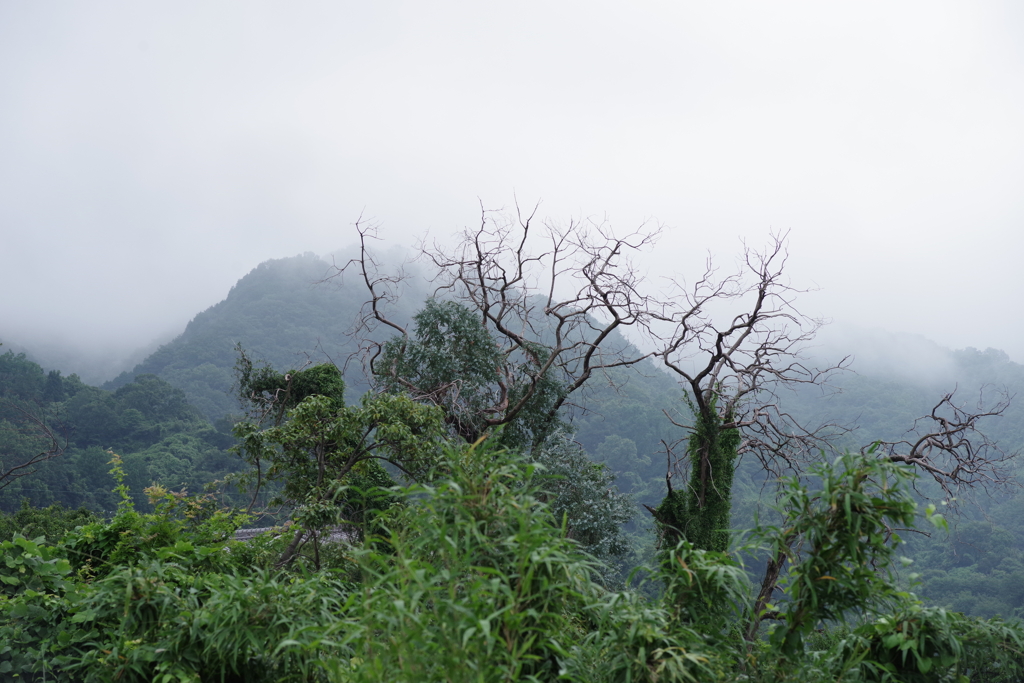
[469, 576]
[160, 436]
[464, 559]
[977, 566]
[884, 407]
[619, 421]
[279, 314]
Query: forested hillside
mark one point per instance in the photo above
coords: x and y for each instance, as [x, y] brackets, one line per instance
[283, 314]
[170, 418]
[161, 437]
[278, 313]
[136, 452]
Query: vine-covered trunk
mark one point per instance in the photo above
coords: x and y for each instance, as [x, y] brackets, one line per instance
[700, 514]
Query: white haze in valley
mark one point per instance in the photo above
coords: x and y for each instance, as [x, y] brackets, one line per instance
[151, 155]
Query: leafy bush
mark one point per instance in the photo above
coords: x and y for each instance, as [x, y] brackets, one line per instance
[475, 582]
[473, 579]
[98, 548]
[51, 522]
[32, 604]
[918, 643]
[581, 495]
[159, 621]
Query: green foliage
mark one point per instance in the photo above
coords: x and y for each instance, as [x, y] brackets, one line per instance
[705, 589]
[48, 592]
[320, 443]
[276, 313]
[846, 544]
[449, 344]
[476, 574]
[30, 566]
[269, 393]
[582, 497]
[32, 605]
[163, 622]
[20, 378]
[51, 522]
[472, 578]
[451, 360]
[163, 439]
[701, 512]
[327, 456]
[475, 585]
[630, 639]
[98, 548]
[918, 643]
[169, 618]
[95, 550]
[53, 390]
[475, 582]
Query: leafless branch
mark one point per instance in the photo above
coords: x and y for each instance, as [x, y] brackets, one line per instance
[54, 442]
[384, 290]
[769, 584]
[738, 369]
[552, 296]
[948, 445]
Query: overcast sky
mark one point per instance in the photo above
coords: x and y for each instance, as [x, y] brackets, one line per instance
[153, 153]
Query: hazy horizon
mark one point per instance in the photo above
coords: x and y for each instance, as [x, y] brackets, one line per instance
[150, 156]
[874, 351]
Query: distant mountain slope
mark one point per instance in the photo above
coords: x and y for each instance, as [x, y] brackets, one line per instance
[277, 313]
[882, 402]
[159, 436]
[280, 315]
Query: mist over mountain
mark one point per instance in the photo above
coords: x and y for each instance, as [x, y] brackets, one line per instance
[92, 365]
[893, 378]
[284, 313]
[281, 313]
[877, 351]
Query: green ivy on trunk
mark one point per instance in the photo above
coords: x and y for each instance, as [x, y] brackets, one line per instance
[700, 513]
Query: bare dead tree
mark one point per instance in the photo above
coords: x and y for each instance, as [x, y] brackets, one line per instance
[735, 373]
[735, 342]
[550, 297]
[53, 441]
[948, 445]
[738, 369]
